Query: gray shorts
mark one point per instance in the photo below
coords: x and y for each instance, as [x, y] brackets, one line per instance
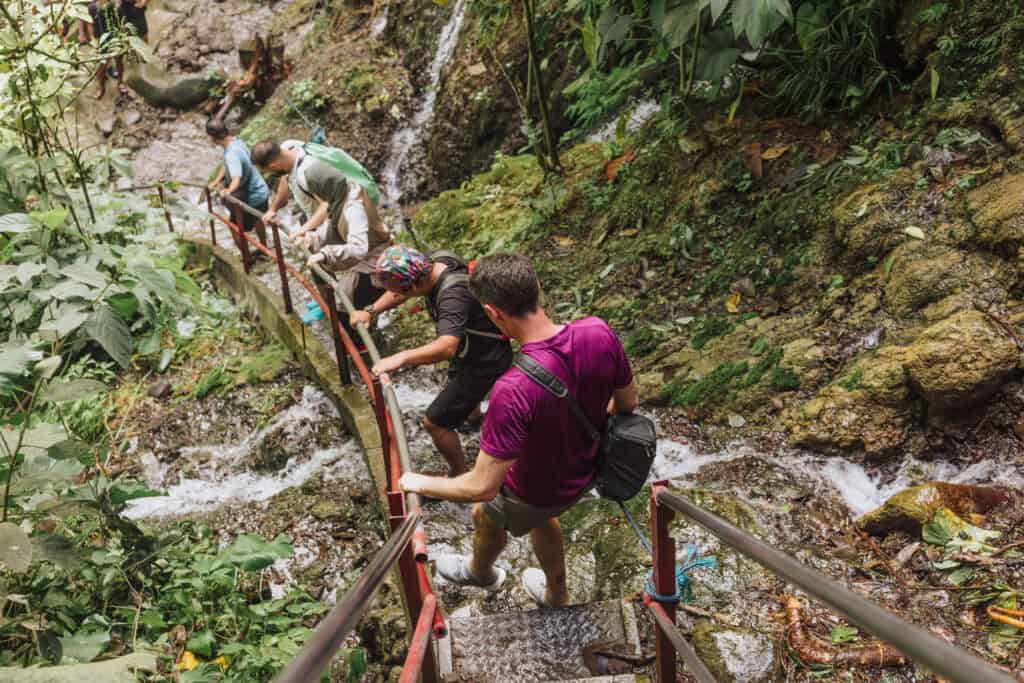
[517, 516]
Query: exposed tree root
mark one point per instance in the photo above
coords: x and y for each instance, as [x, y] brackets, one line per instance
[812, 650]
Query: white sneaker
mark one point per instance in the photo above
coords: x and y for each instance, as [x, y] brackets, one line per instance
[535, 583]
[455, 569]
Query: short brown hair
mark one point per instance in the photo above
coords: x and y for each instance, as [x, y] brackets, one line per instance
[508, 282]
[265, 152]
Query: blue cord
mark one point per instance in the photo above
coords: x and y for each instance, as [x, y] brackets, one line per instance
[684, 587]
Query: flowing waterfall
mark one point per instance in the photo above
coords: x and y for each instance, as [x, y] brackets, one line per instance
[398, 177]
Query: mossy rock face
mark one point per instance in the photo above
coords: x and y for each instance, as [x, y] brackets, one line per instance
[840, 419]
[734, 655]
[997, 210]
[863, 227]
[921, 274]
[884, 376]
[909, 509]
[961, 361]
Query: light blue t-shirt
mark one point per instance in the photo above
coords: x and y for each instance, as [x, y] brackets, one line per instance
[239, 165]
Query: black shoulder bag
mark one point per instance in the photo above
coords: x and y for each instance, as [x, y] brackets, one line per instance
[626, 448]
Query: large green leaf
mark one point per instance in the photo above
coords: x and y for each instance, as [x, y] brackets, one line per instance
[159, 282]
[717, 56]
[121, 493]
[117, 670]
[68, 319]
[85, 273]
[85, 647]
[15, 361]
[28, 270]
[52, 219]
[71, 289]
[717, 8]
[15, 548]
[202, 643]
[14, 223]
[679, 22]
[36, 440]
[73, 390]
[591, 41]
[108, 329]
[57, 550]
[811, 20]
[40, 470]
[254, 553]
[69, 449]
[758, 19]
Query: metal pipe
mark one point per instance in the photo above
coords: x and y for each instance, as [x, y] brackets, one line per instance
[319, 650]
[391, 399]
[667, 627]
[336, 331]
[286, 291]
[948, 661]
[420, 642]
[213, 225]
[163, 205]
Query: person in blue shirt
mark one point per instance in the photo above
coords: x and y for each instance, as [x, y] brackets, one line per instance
[238, 178]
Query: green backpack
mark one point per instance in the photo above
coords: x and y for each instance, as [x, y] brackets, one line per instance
[349, 167]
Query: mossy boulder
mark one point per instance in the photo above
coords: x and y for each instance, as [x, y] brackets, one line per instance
[863, 226]
[807, 359]
[734, 655]
[997, 210]
[920, 275]
[840, 419]
[917, 505]
[162, 89]
[961, 361]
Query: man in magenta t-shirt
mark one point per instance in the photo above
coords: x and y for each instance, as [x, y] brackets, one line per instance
[535, 459]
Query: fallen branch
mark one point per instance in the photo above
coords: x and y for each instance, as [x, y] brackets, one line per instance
[812, 650]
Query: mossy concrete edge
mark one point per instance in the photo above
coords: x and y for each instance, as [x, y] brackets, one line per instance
[352, 403]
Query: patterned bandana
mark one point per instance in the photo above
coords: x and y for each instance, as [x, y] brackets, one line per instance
[401, 268]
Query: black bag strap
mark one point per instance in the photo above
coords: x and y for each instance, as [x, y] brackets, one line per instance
[539, 374]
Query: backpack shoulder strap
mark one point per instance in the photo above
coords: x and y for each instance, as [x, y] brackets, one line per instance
[543, 377]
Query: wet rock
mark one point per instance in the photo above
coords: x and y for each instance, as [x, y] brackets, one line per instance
[997, 210]
[912, 507]
[160, 389]
[806, 357]
[131, 117]
[960, 361]
[734, 655]
[162, 89]
[327, 509]
[106, 125]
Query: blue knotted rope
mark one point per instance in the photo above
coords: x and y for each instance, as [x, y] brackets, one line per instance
[684, 586]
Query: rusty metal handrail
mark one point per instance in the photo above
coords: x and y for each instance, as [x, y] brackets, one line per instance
[321, 647]
[957, 665]
[391, 399]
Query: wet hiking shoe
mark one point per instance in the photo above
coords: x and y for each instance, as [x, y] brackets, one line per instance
[535, 583]
[455, 569]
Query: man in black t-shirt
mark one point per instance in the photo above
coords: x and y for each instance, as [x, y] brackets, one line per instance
[477, 352]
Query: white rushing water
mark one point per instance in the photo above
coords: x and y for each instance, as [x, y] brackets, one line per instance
[639, 113]
[859, 489]
[221, 475]
[398, 177]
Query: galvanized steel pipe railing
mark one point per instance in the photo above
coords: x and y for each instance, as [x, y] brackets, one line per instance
[321, 647]
[942, 658]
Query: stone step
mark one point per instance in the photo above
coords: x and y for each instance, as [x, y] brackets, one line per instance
[537, 645]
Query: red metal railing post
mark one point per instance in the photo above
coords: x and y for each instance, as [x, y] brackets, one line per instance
[419, 644]
[286, 292]
[409, 573]
[385, 434]
[213, 225]
[664, 582]
[243, 244]
[327, 292]
[163, 205]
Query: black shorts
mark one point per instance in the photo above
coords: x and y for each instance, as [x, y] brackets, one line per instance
[136, 17]
[248, 220]
[467, 386]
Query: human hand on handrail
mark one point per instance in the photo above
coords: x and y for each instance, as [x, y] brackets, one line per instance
[360, 319]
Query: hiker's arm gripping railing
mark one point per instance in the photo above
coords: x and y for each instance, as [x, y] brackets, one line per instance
[942, 658]
[321, 647]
